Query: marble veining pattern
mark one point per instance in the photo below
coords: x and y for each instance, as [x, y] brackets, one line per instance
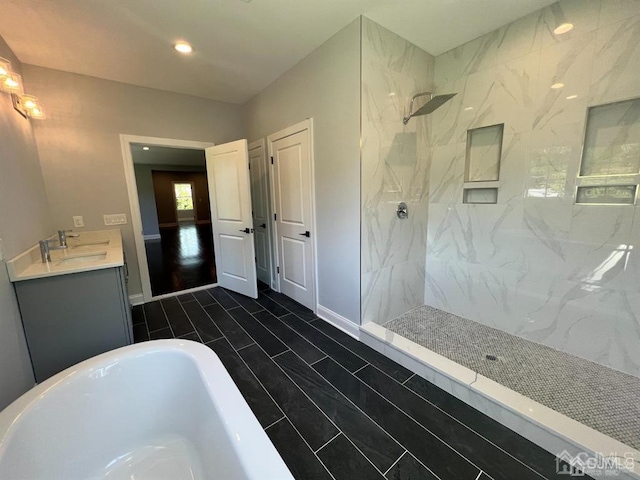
[395, 165]
[536, 264]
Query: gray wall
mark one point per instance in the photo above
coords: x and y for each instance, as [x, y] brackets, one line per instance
[326, 86]
[79, 142]
[24, 219]
[146, 199]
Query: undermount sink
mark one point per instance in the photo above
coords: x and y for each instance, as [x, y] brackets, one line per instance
[90, 244]
[94, 257]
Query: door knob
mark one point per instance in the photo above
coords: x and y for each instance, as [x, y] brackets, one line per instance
[247, 230]
[264, 225]
[306, 234]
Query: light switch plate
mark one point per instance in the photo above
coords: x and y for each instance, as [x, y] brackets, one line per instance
[115, 219]
[78, 221]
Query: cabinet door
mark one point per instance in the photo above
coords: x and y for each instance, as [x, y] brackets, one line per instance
[70, 318]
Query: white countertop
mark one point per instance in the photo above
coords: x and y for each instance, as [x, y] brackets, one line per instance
[93, 250]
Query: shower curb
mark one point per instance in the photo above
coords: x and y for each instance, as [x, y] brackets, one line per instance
[539, 424]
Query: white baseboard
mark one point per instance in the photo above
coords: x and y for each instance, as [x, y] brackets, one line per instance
[137, 299]
[155, 236]
[338, 321]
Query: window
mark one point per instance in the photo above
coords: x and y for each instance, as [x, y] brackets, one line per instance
[184, 196]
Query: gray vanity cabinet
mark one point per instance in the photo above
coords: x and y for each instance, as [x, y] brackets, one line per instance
[70, 318]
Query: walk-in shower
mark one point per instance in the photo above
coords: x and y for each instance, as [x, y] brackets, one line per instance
[434, 102]
[493, 299]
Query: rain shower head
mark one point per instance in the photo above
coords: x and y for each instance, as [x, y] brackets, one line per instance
[429, 107]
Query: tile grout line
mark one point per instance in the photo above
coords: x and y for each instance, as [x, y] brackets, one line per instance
[403, 383]
[348, 349]
[167, 318]
[146, 325]
[365, 365]
[329, 441]
[340, 393]
[284, 415]
[278, 319]
[319, 360]
[394, 463]
[410, 417]
[479, 475]
[278, 354]
[426, 400]
[326, 355]
[330, 420]
[273, 399]
[192, 324]
[497, 447]
[356, 354]
[304, 393]
[241, 348]
[272, 424]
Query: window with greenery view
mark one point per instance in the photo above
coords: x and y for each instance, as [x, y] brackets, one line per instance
[184, 196]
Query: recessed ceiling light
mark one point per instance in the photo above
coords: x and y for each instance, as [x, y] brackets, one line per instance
[556, 86]
[145, 148]
[564, 28]
[571, 97]
[183, 47]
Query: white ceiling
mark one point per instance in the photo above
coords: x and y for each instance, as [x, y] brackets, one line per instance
[167, 156]
[241, 46]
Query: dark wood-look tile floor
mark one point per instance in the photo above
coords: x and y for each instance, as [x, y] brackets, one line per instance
[182, 258]
[335, 408]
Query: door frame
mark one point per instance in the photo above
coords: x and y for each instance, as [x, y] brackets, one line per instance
[262, 143]
[306, 124]
[134, 205]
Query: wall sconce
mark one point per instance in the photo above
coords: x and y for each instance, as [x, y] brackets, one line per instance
[32, 106]
[5, 68]
[11, 82]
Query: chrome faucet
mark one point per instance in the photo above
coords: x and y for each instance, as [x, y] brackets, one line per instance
[45, 247]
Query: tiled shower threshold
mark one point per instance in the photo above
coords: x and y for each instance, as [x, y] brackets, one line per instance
[552, 398]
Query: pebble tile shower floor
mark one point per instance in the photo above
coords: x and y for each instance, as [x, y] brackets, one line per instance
[335, 408]
[604, 399]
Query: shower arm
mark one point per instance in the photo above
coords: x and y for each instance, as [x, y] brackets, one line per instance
[406, 119]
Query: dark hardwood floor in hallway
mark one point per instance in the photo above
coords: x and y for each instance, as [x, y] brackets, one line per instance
[182, 259]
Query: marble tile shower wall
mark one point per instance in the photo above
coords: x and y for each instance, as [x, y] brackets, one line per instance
[536, 264]
[395, 166]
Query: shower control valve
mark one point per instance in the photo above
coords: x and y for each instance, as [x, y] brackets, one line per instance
[403, 211]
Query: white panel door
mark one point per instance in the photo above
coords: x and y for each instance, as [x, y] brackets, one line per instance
[230, 195]
[292, 193]
[260, 204]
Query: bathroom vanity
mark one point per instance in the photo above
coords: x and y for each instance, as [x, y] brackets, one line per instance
[75, 306]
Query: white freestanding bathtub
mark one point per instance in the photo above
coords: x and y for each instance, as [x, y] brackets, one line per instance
[159, 410]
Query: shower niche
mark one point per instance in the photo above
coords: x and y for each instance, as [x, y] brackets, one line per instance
[610, 164]
[482, 166]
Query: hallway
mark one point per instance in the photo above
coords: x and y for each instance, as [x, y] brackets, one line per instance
[182, 259]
